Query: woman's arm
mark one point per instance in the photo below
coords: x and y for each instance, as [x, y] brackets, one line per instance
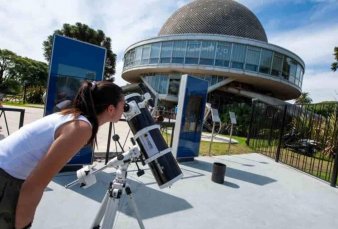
[70, 138]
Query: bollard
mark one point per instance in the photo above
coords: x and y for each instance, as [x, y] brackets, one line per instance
[218, 172]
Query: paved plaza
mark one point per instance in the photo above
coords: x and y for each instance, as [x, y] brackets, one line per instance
[257, 193]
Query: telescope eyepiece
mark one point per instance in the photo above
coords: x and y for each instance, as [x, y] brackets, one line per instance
[126, 107]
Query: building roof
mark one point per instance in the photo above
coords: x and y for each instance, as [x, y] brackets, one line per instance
[224, 17]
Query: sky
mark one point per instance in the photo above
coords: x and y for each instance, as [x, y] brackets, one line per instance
[308, 28]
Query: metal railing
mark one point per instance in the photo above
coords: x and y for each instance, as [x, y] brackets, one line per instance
[304, 137]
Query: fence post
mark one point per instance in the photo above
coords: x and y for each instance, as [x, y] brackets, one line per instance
[281, 134]
[251, 121]
[335, 171]
[335, 165]
[22, 118]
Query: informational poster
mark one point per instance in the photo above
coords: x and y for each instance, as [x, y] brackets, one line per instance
[72, 62]
[232, 117]
[215, 116]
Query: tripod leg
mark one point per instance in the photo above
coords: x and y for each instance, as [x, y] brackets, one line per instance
[99, 216]
[132, 201]
[112, 206]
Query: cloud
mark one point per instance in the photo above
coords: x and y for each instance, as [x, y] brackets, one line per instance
[257, 5]
[26, 24]
[321, 86]
[132, 23]
[314, 43]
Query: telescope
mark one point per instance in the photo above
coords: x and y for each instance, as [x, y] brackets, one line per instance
[152, 150]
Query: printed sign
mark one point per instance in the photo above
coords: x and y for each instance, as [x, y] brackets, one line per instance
[232, 117]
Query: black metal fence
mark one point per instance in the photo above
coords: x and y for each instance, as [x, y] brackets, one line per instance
[304, 137]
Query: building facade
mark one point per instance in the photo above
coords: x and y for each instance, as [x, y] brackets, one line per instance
[222, 42]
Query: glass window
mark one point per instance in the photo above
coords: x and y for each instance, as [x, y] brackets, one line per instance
[126, 59]
[266, 58]
[174, 85]
[163, 86]
[223, 52]
[238, 56]
[252, 58]
[286, 67]
[293, 68]
[146, 78]
[151, 81]
[220, 78]
[138, 55]
[155, 53]
[132, 57]
[179, 52]
[166, 51]
[156, 82]
[277, 64]
[299, 68]
[214, 80]
[299, 76]
[207, 52]
[193, 52]
[145, 54]
[209, 79]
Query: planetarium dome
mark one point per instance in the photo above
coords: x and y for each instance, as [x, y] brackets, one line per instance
[224, 17]
[220, 41]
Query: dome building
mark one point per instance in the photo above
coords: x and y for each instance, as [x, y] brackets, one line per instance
[222, 42]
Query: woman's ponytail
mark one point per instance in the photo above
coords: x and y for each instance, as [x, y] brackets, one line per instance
[92, 99]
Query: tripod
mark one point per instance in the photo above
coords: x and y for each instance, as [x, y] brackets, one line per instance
[109, 205]
[116, 189]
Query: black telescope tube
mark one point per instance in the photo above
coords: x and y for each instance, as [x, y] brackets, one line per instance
[154, 148]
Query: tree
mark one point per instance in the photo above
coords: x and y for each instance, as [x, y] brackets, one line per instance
[84, 33]
[32, 77]
[6, 63]
[29, 71]
[16, 70]
[334, 65]
[304, 98]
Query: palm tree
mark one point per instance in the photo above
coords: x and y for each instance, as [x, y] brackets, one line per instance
[334, 65]
[304, 98]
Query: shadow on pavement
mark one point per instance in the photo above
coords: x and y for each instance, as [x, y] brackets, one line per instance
[150, 202]
[233, 173]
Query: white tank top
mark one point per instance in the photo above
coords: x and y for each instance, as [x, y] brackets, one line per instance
[23, 149]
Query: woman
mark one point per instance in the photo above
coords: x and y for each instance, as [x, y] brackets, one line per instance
[33, 155]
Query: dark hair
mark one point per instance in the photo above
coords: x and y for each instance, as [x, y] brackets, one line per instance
[92, 99]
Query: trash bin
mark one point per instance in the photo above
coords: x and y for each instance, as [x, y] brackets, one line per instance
[218, 172]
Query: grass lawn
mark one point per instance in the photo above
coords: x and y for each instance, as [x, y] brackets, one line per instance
[20, 104]
[220, 148]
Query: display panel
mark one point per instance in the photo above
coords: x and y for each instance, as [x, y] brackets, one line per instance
[189, 119]
[72, 61]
